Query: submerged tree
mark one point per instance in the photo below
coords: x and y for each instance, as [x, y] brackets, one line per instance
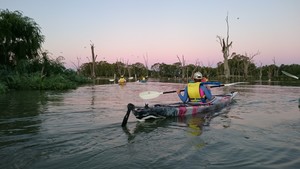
[225, 50]
[94, 60]
[20, 38]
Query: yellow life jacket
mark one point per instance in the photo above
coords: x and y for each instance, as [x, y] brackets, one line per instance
[122, 80]
[194, 92]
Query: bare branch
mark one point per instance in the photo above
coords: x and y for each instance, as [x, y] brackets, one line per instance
[220, 40]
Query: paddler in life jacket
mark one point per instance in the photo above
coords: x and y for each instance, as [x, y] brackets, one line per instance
[122, 80]
[197, 91]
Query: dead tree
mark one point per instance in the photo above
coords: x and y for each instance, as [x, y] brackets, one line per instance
[225, 50]
[275, 70]
[94, 61]
[182, 63]
[121, 67]
[146, 63]
[260, 71]
[128, 69]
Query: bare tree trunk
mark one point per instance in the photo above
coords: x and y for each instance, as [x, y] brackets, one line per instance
[93, 59]
[225, 50]
[275, 70]
[146, 63]
[129, 70]
[182, 63]
[260, 72]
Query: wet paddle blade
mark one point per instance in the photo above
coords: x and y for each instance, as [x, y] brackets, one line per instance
[231, 84]
[149, 94]
[290, 75]
[228, 84]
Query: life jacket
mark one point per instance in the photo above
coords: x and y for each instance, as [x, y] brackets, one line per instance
[122, 80]
[195, 93]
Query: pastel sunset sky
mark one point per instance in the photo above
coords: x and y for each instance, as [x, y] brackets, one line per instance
[131, 30]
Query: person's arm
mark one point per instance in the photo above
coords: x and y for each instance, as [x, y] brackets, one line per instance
[184, 98]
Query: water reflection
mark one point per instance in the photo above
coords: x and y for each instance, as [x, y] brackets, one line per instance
[81, 129]
[19, 117]
[193, 124]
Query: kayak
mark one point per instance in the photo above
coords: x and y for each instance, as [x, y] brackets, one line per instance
[181, 109]
[142, 81]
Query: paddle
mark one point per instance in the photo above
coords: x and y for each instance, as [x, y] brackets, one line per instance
[154, 94]
[125, 119]
[290, 75]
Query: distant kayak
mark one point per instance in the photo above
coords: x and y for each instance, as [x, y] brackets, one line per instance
[142, 81]
[181, 109]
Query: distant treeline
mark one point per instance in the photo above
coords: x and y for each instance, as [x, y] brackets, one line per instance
[176, 70]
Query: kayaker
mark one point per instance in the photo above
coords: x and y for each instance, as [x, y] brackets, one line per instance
[122, 80]
[197, 91]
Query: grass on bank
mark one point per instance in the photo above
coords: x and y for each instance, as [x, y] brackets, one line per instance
[67, 80]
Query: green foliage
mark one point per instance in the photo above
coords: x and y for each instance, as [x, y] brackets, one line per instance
[36, 82]
[48, 75]
[58, 82]
[3, 88]
[23, 81]
[74, 77]
[20, 38]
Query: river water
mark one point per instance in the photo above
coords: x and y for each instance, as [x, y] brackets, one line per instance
[81, 129]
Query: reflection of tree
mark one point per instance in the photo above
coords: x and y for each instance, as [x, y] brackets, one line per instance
[19, 111]
[93, 96]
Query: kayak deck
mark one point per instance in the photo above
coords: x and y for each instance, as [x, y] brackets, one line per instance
[181, 109]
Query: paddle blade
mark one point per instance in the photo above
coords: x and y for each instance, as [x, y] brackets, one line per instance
[130, 107]
[149, 94]
[228, 84]
[231, 84]
[290, 75]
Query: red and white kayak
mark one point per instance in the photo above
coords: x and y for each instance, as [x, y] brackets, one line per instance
[181, 109]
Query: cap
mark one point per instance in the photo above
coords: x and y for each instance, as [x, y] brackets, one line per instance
[197, 75]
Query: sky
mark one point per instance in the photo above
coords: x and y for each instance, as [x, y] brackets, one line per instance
[160, 31]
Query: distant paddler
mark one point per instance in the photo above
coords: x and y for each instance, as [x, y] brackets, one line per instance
[143, 79]
[122, 80]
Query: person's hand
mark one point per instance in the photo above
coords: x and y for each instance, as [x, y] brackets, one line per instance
[178, 91]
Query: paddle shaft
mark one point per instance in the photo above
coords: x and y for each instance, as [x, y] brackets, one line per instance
[174, 91]
[154, 94]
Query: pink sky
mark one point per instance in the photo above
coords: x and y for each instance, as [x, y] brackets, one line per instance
[127, 30]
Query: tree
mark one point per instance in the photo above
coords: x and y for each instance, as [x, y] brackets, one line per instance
[94, 61]
[20, 38]
[139, 69]
[182, 66]
[155, 68]
[225, 50]
[247, 60]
